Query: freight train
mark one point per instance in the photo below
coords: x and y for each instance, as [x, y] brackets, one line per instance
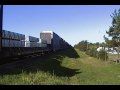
[15, 44]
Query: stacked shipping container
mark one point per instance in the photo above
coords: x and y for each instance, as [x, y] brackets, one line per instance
[12, 35]
[31, 41]
[46, 37]
[54, 41]
[50, 38]
[34, 44]
[12, 39]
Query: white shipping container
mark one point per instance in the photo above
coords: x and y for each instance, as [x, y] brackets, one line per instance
[26, 39]
[46, 36]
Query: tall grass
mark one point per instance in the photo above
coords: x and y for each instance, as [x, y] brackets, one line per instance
[67, 67]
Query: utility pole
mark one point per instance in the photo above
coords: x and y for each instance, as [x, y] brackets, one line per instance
[1, 20]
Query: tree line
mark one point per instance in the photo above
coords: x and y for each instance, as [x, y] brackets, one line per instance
[91, 49]
[113, 32]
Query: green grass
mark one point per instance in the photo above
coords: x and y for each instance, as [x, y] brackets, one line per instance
[112, 57]
[64, 68]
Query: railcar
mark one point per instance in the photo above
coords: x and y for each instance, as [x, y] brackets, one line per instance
[15, 44]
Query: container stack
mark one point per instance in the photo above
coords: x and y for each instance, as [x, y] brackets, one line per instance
[31, 41]
[46, 37]
[12, 39]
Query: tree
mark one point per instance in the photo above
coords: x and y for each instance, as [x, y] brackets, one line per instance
[114, 30]
[83, 45]
[108, 42]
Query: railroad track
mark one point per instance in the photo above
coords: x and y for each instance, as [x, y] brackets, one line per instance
[23, 64]
[18, 58]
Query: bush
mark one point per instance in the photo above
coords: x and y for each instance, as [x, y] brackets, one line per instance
[102, 54]
[92, 52]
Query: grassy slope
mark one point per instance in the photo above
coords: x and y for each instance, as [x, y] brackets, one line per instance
[65, 68]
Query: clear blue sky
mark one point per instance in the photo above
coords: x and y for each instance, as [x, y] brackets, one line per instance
[72, 22]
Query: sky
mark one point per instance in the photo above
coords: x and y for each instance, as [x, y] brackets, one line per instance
[73, 23]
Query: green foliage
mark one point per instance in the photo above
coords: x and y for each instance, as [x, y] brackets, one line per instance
[110, 43]
[102, 54]
[82, 46]
[92, 52]
[91, 71]
[91, 49]
[114, 30]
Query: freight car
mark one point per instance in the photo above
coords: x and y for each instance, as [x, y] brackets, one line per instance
[53, 41]
[15, 44]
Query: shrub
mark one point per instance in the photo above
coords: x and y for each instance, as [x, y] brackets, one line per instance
[92, 52]
[102, 54]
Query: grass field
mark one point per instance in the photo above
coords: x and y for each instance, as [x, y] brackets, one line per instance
[70, 67]
[112, 57]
